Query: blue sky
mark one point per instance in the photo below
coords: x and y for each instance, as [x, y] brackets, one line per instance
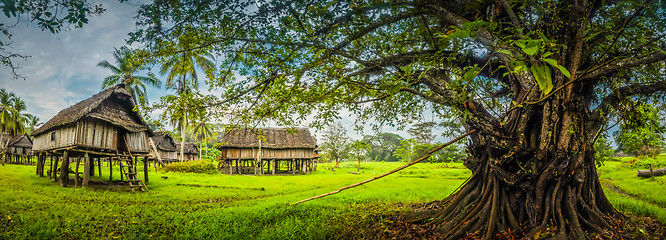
[62, 69]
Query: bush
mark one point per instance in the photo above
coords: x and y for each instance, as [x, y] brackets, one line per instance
[200, 166]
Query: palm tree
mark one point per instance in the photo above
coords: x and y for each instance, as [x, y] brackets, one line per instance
[182, 65]
[31, 122]
[123, 72]
[181, 74]
[203, 131]
[11, 119]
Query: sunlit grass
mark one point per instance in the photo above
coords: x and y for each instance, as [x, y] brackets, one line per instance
[205, 206]
[648, 194]
[228, 207]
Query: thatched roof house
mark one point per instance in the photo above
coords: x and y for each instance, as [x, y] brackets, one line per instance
[190, 151]
[166, 146]
[275, 138]
[16, 144]
[107, 122]
[294, 148]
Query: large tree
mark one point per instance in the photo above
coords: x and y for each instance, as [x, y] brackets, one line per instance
[536, 80]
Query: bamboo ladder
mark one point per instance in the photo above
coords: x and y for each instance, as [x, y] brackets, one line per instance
[129, 170]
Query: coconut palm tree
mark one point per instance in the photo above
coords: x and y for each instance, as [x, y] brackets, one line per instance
[203, 131]
[11, 106]
[181, 69]
[124, 72]
[182, 75]
[31, 122]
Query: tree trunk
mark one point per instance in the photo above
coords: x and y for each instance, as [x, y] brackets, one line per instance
[652, 172]
[182, 143]
[536, 171]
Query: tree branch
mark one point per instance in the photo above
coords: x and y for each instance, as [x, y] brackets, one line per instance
[604, 108]
[612, 67]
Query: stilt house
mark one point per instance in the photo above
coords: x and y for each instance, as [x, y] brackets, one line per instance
[165, 146]
[267, 151]
[190, 152]
[104, 125]
[17, 148]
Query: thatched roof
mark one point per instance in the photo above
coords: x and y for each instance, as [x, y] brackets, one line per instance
[113, 105]
[277, 138]
[21, 140]
[190, 148]
[164, 142]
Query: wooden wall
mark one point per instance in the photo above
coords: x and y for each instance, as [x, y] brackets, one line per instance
[137, 142]
[62, 137]
[96, 134]
[167, 155]
[268, 153]
[91, 133]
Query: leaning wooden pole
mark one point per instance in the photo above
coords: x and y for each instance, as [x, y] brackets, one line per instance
[424, 157]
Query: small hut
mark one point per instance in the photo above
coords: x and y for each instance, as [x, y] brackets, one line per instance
[17, 148]
[165, 147]
[268, 150]
[190, 152]
[105, 125]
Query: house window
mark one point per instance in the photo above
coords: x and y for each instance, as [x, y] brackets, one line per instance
[53, 136]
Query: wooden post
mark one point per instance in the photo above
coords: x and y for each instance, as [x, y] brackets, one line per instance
[274, 166]
[55, 168]
[99, 166]
[110, 169]
[293, 167]
[92, 166]
[37, 168]
[76, 172]
[64, 169]
[52, 170]
[86, 170]
[145, 169]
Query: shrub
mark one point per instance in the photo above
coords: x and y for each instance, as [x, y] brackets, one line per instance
[200, 166]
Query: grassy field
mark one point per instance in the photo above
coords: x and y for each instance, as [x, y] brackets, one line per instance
[640, 196]
[254, 207]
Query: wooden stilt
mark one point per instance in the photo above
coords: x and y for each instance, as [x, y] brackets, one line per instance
[37, 168]
[86, 170]
[293, 168]
[99, 166]
[76, 172]
[92, 166]
[51, 170]
[64, 169]
[110, 169]
[145, 170]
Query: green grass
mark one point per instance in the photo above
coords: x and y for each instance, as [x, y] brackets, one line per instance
[37, 208]
[255, 207]
[647, 195]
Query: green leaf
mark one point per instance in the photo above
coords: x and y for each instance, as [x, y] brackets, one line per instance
[542, 76]
[564, 71]
[531, 50]
[319, 53]
[507, 52]
[552, 62]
